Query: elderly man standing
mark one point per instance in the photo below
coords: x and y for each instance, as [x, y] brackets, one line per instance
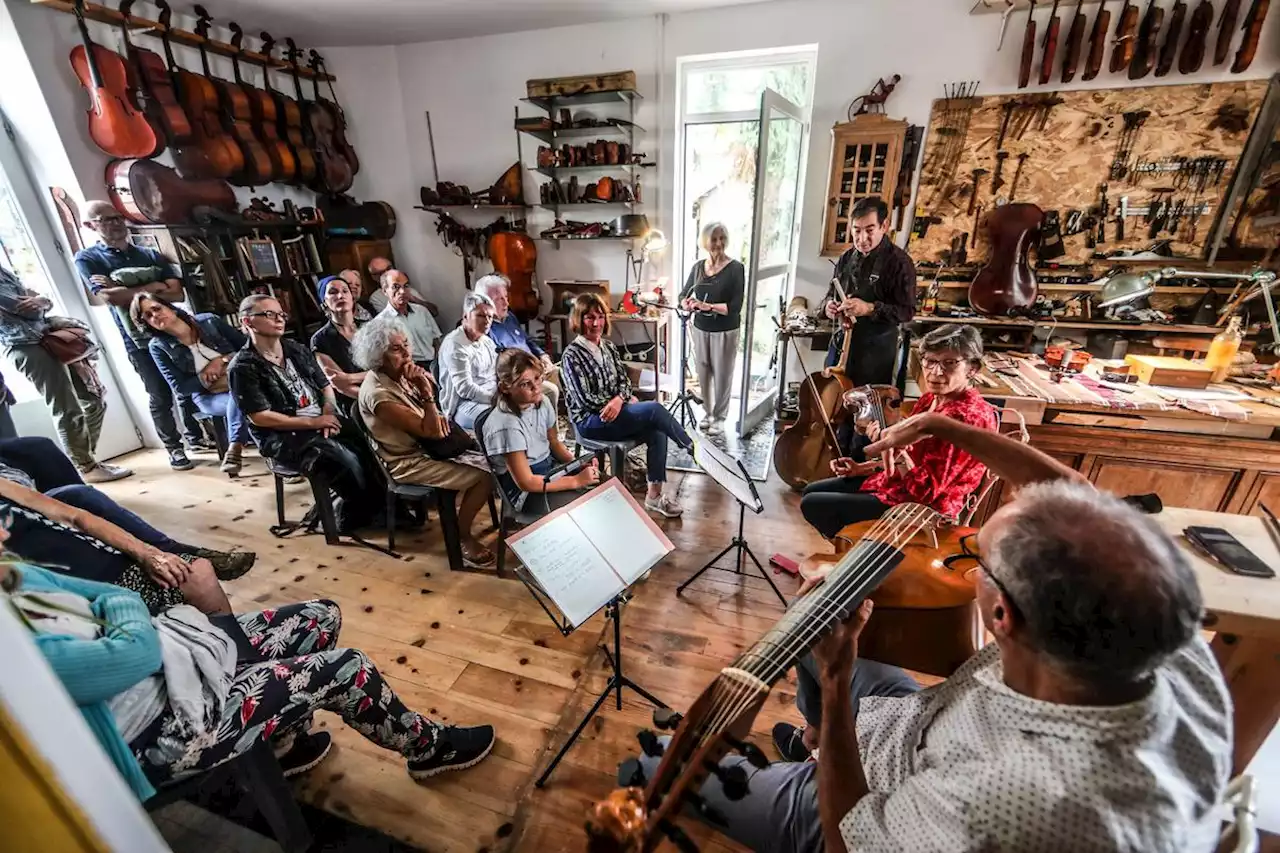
[424, 332]
[1097, 720]
[378, 300]
[469, 363]
[117, 270]
[507, 333]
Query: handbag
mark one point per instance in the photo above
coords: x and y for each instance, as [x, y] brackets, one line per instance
[451, 446]
[69, 344]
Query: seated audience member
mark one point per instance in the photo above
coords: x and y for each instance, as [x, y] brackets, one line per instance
[292, 412]
[378, 299]
[118, 664]
[507, 333]
[468, 363]
[1097, 719]
[332, 342]
[419, 323]
[523, 444]
[598, 394]
[356, 284]
[80, 542]
[938, 474]
[192, 354]
[398, 404]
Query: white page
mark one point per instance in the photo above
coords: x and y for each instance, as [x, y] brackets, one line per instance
[568, 567]
[725, 471]
[625, 539]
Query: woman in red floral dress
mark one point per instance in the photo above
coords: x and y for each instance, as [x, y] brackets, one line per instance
[934, 473]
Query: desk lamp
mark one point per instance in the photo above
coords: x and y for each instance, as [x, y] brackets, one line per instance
[653, 243]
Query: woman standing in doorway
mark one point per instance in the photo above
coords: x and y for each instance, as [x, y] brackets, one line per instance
[715, 291]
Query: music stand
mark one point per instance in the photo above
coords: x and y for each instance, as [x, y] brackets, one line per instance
[679, 407]
[731, 475]
[569, 615]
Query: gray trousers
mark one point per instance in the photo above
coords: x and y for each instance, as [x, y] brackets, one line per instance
[77, 413]
[780, 814]
[713, 357]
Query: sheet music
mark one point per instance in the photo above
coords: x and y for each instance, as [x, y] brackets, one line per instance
[568, 567]
[725, 471]
[621, 535]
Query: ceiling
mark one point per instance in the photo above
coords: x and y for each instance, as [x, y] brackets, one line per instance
[333, 23]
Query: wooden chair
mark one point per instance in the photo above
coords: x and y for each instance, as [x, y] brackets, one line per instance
[1241, 798]
[989, 480]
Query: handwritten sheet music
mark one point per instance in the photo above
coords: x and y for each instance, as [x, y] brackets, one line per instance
[724, 469]
[622, 536]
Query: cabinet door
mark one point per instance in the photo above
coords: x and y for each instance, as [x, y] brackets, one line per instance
[1266, 490]
[1190, 486]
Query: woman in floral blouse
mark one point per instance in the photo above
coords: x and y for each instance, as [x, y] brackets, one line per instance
[598, 394]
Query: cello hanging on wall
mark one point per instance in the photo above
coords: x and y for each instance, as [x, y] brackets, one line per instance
[115, 123]
[1006, 283]
[515, 255]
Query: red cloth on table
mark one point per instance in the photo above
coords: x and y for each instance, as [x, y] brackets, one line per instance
[944, 475]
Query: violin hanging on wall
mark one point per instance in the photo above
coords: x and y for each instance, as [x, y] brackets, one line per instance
[284, 166]
[340, 141]
[236, 115]
[115, 123]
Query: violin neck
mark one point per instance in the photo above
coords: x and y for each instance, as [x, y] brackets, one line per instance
[95, 76]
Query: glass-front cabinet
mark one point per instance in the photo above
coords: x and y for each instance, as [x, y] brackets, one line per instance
[866, 154]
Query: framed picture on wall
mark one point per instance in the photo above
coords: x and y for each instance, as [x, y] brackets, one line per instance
[261, 258]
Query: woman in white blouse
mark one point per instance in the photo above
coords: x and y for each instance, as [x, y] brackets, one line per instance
[469, 363]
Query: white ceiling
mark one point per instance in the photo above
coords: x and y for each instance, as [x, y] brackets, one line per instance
[333, 23]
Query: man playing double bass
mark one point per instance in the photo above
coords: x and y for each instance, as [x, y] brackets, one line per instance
[879, 282]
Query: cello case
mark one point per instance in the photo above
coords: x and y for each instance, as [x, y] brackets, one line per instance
[1007, 281]
[148, 193]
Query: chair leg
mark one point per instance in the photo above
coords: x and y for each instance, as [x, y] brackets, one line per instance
[219, 428]
[280, 499]
[502, 544]
[493, 510]
[618, 462]
[259, 773]
[324, 505]
[391, 520]
[446, 505]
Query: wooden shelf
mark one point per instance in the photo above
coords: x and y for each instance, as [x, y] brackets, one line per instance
[438, 208]
[554, 171]
[586, 239]
[581, 205]
[1070, 324]
[550, 136]
[1078, 288]
[148, 27]
[549, 104]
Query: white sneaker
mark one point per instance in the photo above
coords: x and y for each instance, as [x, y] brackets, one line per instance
[664, 506]
[104, 473]
[716, 428]
[704, 423]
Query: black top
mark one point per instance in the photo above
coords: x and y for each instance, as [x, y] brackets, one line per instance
[329, 341]
[727, 286]
[885, 276]
[258, 386]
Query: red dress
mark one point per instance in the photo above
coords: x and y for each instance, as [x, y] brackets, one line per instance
[944, 475]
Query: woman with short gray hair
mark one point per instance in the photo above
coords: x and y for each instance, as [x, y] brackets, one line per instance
[468, 365]
[714, 292]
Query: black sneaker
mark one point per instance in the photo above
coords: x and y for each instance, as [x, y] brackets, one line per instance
[457, 749]
[178, 460]
[308, 750]
[202, 445]
[789, 740]
[228, 565]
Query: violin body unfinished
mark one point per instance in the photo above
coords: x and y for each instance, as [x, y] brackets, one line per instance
[1007, 282]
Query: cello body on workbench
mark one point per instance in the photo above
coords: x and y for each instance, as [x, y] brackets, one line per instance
[1007, 282]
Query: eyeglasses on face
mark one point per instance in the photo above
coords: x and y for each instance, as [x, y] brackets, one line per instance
[107, 220]
[282, 316]
[946, 365]
[969, 551]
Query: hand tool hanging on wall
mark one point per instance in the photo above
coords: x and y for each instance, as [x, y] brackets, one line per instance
[1126, 30]
[1098, 42]
[1226, 31]
[1122, 213]
[1252, 32]
[997, 180]
[1103, 210]
[1133, 123]
[1008, 108]
[977, 217]
[1169, 50]
[1051, 237]
[1017, 176]
[1075, 42]
[1028, 48]
[1145, 49]
[973, 196]
[1050, 47]
[1009, 6]
[1193, 49]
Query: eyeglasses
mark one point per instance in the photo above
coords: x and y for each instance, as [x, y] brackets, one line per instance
[946, 365]
[282, 316]
[969, 551]
[107, 220]
[527, 384]
[398, 285]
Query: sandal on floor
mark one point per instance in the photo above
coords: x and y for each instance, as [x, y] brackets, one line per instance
[482, 559]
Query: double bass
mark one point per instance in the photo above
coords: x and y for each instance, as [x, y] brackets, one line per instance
[290, 120]
[340, 141]
[333, 172]
[1006, 282]
[115, 123]
[515, 255]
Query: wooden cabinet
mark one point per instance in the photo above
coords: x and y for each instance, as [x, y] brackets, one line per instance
[1265, 489]
[1190, 486]
[866, 154]
[355, 255]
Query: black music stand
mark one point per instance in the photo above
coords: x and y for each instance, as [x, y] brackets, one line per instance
[680, 407]
[730, 474]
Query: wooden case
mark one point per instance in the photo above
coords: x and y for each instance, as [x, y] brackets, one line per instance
[557, 87]
[866, 154]
[1169, 371]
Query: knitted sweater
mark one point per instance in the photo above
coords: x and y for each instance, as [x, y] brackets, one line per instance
[93, 671]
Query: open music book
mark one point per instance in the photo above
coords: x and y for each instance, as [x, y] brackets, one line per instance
[586, 553]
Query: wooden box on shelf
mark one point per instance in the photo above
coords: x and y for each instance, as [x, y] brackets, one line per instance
[1169, 371]
[866, 154]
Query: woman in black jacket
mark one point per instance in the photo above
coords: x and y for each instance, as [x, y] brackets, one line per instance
[714, 291]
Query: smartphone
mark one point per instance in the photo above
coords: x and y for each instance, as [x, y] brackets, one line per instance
[1226, 549]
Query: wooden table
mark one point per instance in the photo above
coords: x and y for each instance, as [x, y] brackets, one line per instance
[1244, 613]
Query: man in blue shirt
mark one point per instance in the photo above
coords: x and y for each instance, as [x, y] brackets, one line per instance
[95, 265]
[507, 333]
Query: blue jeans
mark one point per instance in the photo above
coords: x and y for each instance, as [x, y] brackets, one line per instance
[224, 405]
[93, 501]
[649, 422]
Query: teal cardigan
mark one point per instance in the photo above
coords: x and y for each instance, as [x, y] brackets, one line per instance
[93, 671]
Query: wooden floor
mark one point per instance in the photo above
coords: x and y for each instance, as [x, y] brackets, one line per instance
[467, 648]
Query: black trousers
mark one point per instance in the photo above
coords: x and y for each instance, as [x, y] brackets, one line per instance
[160, 399]
[831, 505]
[345, 461]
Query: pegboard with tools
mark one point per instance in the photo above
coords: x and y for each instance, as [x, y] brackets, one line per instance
[1114, 169]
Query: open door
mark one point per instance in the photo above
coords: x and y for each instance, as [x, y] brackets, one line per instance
[775, 229]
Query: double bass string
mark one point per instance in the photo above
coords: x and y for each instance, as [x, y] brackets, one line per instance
[813, 389]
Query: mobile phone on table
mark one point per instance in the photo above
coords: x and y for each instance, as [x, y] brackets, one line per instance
[1226, 549]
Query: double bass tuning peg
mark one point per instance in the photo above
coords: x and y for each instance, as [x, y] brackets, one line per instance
[650, 744]
[666, 719]
[755, 757]
[733, 780]
[631, 774]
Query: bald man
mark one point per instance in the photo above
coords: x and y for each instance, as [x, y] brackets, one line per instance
[378, 267]
[117, 270]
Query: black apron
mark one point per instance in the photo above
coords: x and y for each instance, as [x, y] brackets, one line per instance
[874, 348]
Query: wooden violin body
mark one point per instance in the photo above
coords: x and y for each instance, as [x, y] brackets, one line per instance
[290, 118]
[1007, 281]
[340, 141]
[209, 153]
[237, 118]
[333, 172]
[262, 109]
[1193, 49]
[805, 450]
[515, 255]
[115, 123]
[925, 616]
[149, 193]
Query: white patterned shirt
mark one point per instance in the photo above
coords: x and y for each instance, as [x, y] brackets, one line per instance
[972, 765]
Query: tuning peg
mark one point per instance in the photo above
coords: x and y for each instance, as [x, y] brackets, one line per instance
[666, 719]
[631, 774]
[650, 744]
[755, 757]
[678, 837]
[733, 780]
[705, 809]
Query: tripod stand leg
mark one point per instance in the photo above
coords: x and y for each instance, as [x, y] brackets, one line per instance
[764, 574]
[710, 564]
[608, 688]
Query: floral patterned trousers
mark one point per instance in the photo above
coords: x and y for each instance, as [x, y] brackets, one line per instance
[302, 671]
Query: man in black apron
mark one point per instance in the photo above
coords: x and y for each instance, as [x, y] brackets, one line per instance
[879, 281]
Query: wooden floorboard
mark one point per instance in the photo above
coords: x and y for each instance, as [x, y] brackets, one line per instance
[468, 648]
